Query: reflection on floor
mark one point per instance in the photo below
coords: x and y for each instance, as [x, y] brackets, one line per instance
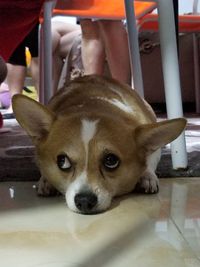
[139, 230]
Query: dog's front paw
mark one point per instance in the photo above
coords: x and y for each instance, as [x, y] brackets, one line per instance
[45, 189]
[148, 183]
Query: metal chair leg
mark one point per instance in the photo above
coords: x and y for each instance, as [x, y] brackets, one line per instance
[171, 78]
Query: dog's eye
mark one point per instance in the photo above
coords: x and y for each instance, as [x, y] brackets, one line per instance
[63, 162]
[111, 161]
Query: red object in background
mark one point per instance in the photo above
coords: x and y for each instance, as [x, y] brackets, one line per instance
[17, 18]
[1, 121]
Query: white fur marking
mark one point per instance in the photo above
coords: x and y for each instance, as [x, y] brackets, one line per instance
[74, 188]
[87, 133]
[149, 180]
[120, 104]
[88, 130]
[123, 106]
[152, 160]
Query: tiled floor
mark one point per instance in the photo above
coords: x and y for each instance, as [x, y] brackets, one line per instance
[138, 231]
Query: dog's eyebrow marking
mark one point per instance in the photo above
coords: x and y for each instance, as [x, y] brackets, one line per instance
[123, 106]
[119, 104]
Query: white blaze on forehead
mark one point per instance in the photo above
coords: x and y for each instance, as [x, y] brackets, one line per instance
[88, 131]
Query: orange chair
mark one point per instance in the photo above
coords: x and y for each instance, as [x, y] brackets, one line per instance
[187, 24]
[132, 11]
[104, 9]
[112, 10]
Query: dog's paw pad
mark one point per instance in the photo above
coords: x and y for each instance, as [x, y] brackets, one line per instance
[44, 189]
[148, 184]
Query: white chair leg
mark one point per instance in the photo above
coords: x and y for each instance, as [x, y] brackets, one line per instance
[171, 77]
[41, 63]
[47, 52]
[134, 47]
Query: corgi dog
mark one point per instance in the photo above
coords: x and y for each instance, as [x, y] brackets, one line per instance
[95, 140]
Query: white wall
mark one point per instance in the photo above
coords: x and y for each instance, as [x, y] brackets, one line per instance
[185, 6]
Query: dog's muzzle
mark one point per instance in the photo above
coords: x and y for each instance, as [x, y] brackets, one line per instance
[86, 202]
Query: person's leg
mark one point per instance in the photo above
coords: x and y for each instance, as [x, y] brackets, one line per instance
[66, 42]
[116, 46]
[93, 54]
[56, 59]
[63, 28]
[15, 80]
[63, 35]
[31, 41]
[34, 68]
[3, 70]
[16, 71]
[17, 63]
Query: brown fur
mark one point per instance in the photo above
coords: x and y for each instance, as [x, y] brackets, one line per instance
[126, 127]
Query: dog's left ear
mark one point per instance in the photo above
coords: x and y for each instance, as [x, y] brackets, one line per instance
[151, 137]
[34, 117]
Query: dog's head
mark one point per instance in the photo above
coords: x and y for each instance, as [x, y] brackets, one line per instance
[91, 159]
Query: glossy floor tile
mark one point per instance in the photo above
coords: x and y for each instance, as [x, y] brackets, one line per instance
[138, 231]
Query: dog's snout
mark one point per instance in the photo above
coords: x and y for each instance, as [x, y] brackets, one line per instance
[85, 202]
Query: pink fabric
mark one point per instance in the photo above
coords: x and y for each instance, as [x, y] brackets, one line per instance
[5, 97]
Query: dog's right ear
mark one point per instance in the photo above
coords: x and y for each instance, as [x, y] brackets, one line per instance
[34, 117]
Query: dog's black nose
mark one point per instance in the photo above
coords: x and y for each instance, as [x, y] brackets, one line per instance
[85, 202]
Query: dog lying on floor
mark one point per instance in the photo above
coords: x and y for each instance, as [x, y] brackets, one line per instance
[96, 139]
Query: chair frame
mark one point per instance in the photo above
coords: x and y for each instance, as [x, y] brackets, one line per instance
[184, 22]
[196, 61]
[169, 64]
